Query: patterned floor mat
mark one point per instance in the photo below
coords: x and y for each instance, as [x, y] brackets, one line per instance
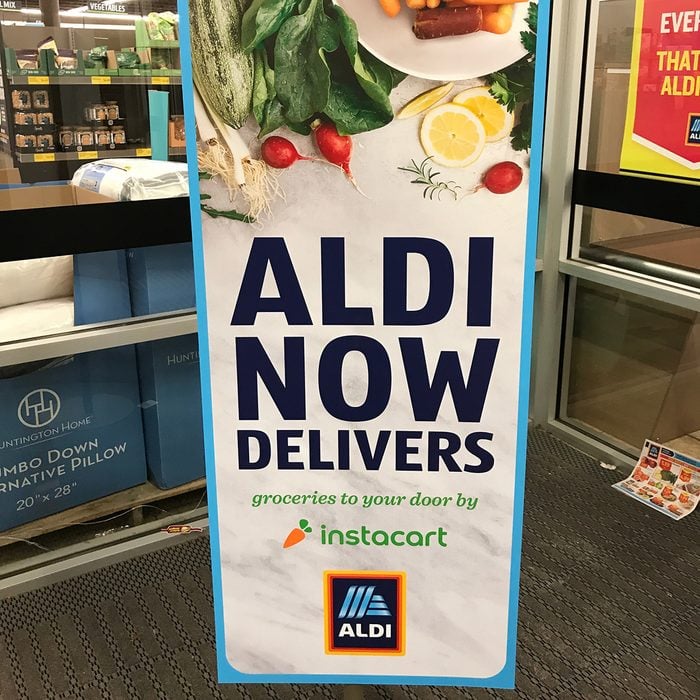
[609, 609]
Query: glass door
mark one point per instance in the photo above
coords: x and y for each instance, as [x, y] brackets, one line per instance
[618, 356]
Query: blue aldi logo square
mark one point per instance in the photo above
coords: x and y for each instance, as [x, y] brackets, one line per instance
[365, 612]
[693, 138]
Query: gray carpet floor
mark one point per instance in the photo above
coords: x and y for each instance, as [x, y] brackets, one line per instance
[609, 609]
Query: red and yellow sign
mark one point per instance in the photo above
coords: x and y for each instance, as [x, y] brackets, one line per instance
[662, 131]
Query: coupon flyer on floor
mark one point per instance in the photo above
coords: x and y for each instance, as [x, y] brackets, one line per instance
[365, 254]
[665, 480]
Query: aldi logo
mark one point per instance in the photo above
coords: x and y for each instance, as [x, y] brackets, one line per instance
[693, 138]
[365, 612]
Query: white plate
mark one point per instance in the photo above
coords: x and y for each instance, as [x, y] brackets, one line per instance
[449, 58]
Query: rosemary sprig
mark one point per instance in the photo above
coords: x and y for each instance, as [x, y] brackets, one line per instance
[216, 213]
[427, 176]
[228, 214]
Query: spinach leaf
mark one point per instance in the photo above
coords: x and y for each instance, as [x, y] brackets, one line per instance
[263, 18]
[397, 77]
[385, 75]
[273, 118]
[308, 62]
[376, 88]
[260, 92]
[267, 109]
[302, 76]
[304, 128]
[352, 111]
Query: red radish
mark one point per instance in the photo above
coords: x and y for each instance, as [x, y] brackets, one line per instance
[336, 149]
[279, 152]
[502, 178]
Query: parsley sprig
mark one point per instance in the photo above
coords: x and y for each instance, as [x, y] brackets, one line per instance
[514, 86]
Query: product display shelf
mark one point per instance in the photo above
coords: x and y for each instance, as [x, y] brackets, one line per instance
[128, 499]
[55, 156]
[37, 80]
[68, 94]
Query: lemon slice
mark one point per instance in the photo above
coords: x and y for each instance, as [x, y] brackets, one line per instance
[424, 101]
[497, 120]
[452, 135]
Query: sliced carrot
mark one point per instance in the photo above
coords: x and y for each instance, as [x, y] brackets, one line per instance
[495, 23]
[391, 7]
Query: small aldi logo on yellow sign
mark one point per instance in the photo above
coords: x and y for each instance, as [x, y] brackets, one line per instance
[365, 612]
[693, 136]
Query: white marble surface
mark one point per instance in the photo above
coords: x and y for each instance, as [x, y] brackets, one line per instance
[457, 597]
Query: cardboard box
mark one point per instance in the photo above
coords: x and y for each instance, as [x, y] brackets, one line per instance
[50, 61]
[43, 197]
[70, 432]
[161, 278]
[172, 410]
[10, 176]
[100, 287]
[176, 132]
[12, 67]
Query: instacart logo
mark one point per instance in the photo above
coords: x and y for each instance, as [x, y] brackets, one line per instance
[297, 534]
[367, 537]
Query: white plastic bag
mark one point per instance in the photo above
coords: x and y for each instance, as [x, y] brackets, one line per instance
[132, 179]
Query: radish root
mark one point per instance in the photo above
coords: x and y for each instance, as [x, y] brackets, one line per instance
[261, 187]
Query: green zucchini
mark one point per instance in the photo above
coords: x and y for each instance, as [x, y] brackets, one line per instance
[223, 72]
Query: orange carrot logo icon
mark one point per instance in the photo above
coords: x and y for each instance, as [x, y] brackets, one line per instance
[298, 534]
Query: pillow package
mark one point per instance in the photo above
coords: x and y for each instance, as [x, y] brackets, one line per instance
[32, 280]
[35, 297]
[133, 179]
[36, 318]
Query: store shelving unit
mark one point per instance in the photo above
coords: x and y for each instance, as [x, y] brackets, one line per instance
[128, 499]
[131, 522]
[36, 80]
[68, 95]
[58, 156]
[4, 126]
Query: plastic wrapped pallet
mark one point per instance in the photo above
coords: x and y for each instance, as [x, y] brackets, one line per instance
[132, 179]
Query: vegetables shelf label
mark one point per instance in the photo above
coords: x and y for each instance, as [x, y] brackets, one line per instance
[662, 130]
[365, 254]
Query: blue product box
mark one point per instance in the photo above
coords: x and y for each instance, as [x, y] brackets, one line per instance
[70, 432]
[100, 287]
[172, 411]
[161, 278]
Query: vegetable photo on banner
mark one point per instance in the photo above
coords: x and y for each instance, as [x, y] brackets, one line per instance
[514, 86]
[223, 77]
[309, 65]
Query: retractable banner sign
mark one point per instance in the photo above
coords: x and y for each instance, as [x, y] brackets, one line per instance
[662, 131]
[365, 256]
